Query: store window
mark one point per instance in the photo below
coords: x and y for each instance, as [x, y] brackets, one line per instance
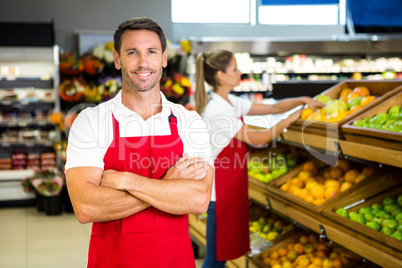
[211, 11]
[302, 12]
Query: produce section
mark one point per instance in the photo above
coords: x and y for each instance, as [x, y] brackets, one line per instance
[356, 180]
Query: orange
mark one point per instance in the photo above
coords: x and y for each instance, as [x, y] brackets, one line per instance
[368, 99]
[343, 164]
[274, 254]
[308, 248]
[304, 262]
[277, 266]
[266, 261]
[306, 113]
[345, 185]
[274, 262]
[320, 254]
[332, 184]
[360, 177]
[295, 191]
[309, 180]
[353, 95]
[337, 263]
[318, 261]
[328, 263]
[299, 248]
[331, 192]
[369, 170]
[287, 264]
[341, 179]
[333, 255]
[327, 174]
[322, 246]
[282, 252]
[335, 172]
[310, 166]
[284, 187]
[362, 91]
[303, 239]
[355, 108]
[351, 175]
[309, 198]
[290, 246]
[317, 192]
[310, 185]
[345, 92]
[304, 193]
[312, 239]
[318, 202]
[298, 182]
[291, 255]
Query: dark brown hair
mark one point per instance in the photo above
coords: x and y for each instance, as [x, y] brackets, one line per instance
[142, 23]
[207, 66]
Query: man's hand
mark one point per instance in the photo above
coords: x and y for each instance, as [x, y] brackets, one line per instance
[113, 179]
[188, 168]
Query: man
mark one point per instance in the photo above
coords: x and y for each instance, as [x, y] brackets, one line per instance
[135, 164]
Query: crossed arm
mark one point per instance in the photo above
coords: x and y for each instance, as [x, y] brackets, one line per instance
[99, 195]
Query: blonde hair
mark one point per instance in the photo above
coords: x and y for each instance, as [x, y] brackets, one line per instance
[207, 66]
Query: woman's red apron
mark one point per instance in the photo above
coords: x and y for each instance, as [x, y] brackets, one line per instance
[150, 238]
[232, 217]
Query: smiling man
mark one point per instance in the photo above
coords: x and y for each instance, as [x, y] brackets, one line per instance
[137, 164]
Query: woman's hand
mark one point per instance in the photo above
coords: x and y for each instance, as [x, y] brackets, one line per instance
[313, 104]
[188, 168]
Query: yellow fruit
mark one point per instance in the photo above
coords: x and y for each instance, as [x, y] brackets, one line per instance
[345, 92]
[331, 192]
[304, 175]
[332, 184]
[310, 166]
[343, 164]
[360, 177]
[318, 192]
[306, 113]
[303, 239]
[335, 172]
[345, 185]
[351, 175]
[369, 170]
[362, 91]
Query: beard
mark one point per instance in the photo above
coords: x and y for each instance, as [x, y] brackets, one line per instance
[141, 86]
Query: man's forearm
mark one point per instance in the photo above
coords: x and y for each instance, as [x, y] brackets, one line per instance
[175, 196]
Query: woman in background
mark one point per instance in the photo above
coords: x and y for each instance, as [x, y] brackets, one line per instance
[227, 220]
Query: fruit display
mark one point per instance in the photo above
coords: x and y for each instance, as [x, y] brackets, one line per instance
[269, 168]
[269, 227]
[317, 186]
[385, 216]
[306, 250]
[335, 110]
[389, 121]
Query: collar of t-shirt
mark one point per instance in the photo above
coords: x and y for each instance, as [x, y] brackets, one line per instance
[123, 110]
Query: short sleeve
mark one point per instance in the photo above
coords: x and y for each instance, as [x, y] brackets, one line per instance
[83, 147]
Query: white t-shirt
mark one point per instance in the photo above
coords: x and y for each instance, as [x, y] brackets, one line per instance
[92, 131]
[223, 122]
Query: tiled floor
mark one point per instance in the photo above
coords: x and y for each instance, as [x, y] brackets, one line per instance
[30, 239]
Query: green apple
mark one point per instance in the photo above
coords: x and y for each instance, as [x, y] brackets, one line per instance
[398, 216]
[380, 118]
[354, 101]
[377, 206]
[389, 200]
[378, 219]
[373, 225]
[399, 200]
[389, 207]
[322, 98]
[335, 105]
[389, 223]
[395, 211]
[358, 218]
[358, 123]
[387, 230]
[364, 210]
[268, 177]
[395, 109]
[397, 235]
[395, 128]
[342, 212]
[383, 214]
[368, 216]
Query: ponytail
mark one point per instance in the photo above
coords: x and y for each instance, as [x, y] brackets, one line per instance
[201, 95]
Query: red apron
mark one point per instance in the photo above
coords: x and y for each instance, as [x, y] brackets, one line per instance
[231, 186]
[149, 238]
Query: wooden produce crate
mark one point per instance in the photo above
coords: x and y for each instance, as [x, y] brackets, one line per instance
[274, 187]
[198, 224]
[388, 185]
[375, 137]
[260, 156]
[381, 89]
[258, 260]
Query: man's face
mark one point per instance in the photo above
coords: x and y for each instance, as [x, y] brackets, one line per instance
[141, 60]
